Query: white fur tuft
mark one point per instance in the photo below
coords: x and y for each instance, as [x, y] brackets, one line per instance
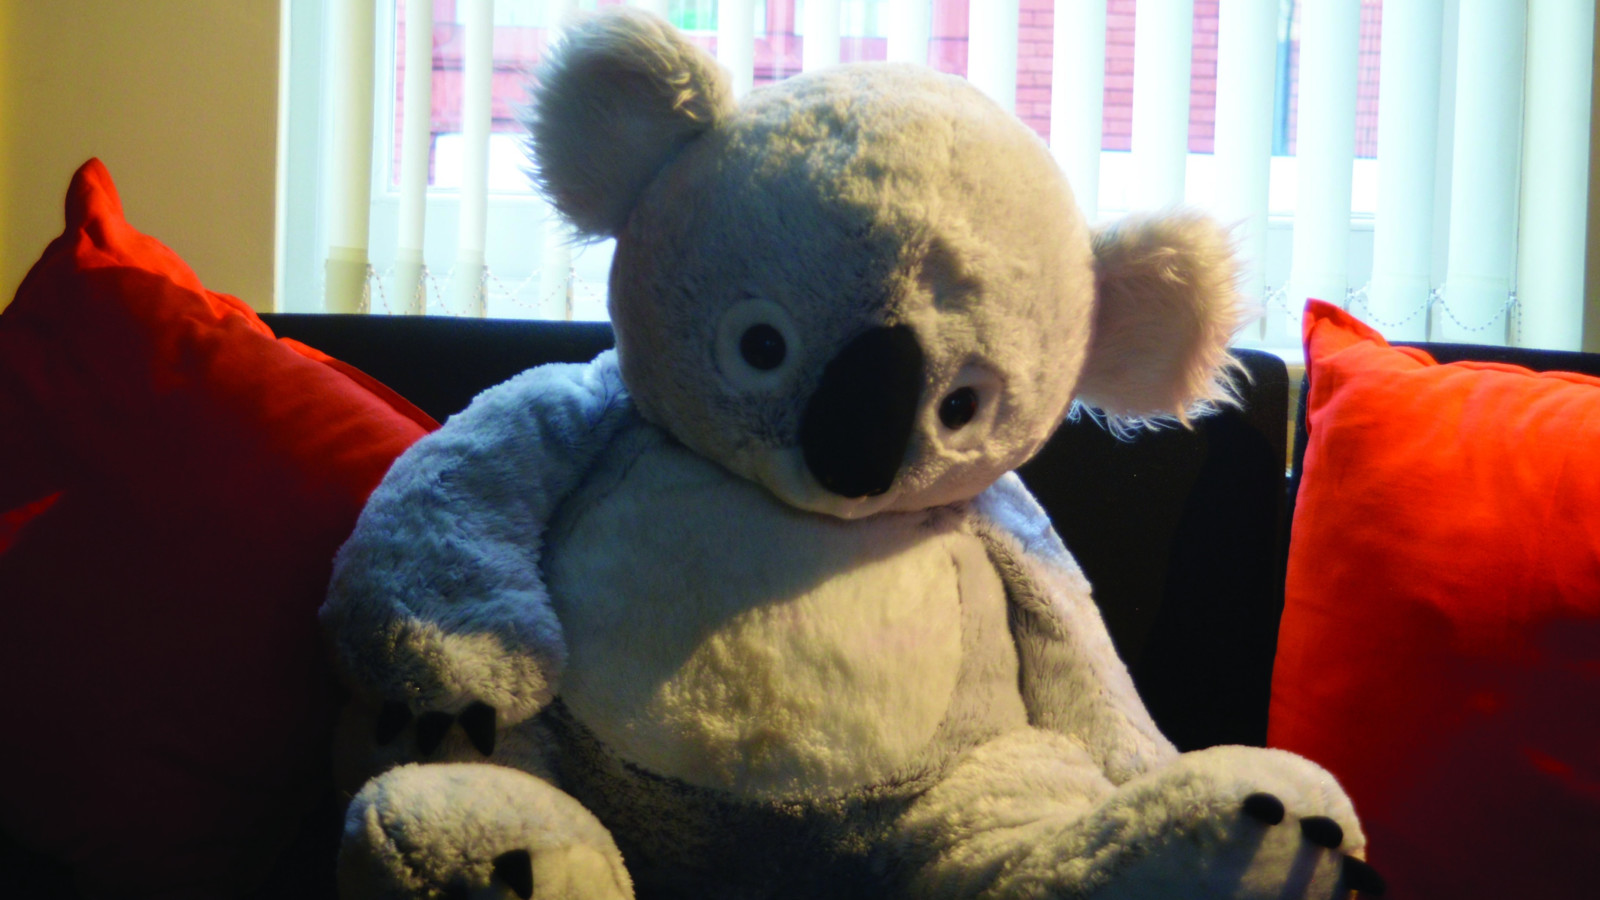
[1167, 309]
[620, 95]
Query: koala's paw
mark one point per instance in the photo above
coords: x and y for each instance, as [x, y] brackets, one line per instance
[396, 720]
[1321, 831]
[460, 831]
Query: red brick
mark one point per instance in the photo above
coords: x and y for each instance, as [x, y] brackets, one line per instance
[949, 18]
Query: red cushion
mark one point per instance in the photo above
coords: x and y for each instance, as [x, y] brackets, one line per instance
[1440, 645]
[176, 482]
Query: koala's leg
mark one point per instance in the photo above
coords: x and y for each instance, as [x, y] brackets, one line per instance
[1030, 815]
[472, 830]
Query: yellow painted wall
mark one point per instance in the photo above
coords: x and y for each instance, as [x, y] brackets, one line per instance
[178, 97]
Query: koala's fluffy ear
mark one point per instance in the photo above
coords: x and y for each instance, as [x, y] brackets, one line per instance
[619, 96]
[1166, 308]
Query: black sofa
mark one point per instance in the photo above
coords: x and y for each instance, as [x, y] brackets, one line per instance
[1183, 532]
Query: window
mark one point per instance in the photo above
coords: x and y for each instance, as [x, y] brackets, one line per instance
[521, 249]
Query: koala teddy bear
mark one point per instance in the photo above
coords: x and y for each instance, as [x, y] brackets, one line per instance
[753, 606]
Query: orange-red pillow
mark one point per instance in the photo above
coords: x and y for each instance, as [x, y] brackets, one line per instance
[1440, 643]
[175, 484]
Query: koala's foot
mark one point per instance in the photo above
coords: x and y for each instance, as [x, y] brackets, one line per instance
[1030, 816]
[1321, 831]
[468, 830]
[1227, 822]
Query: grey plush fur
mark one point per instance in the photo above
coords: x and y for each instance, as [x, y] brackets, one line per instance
[672, 624]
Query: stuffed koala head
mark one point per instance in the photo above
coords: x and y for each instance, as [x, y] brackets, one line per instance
[867, 288]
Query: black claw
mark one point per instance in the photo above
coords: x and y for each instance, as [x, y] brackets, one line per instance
[1322, 831]
[477, 721]
[392, 719]
[1358, 876]
[1264, 807]
[431, 728]
[515, 868]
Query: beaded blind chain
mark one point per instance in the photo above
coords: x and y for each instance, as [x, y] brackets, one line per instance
[1510, 311]
[431, 293]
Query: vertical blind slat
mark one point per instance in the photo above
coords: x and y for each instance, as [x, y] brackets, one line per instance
[1163, 35]
[1555, 161]
[819, 48]
[1247, 36]
[351, 27]
[992, 49]
[1077, 97]
[555, 269]
[1408, 128]
[736, 36]
[477, 75]
[910, 23]
[1483, 185]
[1517, 148]
[415, 141]
[1325, 143]
[554, 297]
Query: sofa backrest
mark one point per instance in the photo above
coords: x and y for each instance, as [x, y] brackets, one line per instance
[1182, 532]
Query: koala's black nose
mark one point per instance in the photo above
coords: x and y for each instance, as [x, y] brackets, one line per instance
[856, 427]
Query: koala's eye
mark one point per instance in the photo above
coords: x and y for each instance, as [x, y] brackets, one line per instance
[958, 407]
[758, 346]
[763, 347]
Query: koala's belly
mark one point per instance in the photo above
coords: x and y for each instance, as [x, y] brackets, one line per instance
[719, 637]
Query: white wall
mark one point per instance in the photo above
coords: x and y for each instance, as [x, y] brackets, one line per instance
[178, 97]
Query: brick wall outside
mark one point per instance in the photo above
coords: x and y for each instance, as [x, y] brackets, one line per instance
[778, 54]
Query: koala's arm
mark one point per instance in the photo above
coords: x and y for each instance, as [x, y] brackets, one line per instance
[437, 600]
[1073, 682]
